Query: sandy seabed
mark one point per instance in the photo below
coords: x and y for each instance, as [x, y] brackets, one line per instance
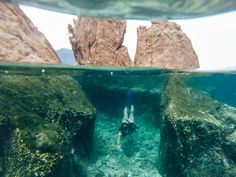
[137, 157]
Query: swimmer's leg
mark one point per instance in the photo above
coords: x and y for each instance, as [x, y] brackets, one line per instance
[131, 115]
[125, 117]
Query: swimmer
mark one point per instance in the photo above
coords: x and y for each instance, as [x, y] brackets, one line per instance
[127, 125]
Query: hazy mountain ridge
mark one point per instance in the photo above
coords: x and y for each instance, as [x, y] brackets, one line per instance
[66, 56]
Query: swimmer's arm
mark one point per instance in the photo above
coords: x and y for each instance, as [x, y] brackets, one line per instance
[118, 139]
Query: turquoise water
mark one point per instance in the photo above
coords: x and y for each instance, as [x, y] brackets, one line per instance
[63, 121]
[136, 9]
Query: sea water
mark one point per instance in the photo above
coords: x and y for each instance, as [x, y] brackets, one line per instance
[135, 9]
[106, 89]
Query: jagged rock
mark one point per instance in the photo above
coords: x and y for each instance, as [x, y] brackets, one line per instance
[99, 42]
[197, 134]
[164, 45]
[20, 41]
[39, 117]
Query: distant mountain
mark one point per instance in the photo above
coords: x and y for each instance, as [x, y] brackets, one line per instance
[218, 69]
[66, 56]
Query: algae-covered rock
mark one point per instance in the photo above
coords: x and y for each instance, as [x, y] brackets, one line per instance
[25, 158]
[197, 137]
[27, 100]
[39, 116]
[123, 81]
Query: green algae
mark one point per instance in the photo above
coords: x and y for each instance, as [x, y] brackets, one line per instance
[22, 159]
[178, 107]
[40, 115]
[26, 97]
[194, 128]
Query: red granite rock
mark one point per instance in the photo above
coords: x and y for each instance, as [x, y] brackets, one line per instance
[20, 41]
[164, 45]
[99, 42]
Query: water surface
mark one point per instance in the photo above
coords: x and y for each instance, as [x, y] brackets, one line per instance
[138, 9]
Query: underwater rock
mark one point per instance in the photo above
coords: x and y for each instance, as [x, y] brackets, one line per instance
[164, 45]
[116, 82]
[28, 99]
[20, 40]
[99, 42]
[41, 115]
[25, 158]
[197, 134]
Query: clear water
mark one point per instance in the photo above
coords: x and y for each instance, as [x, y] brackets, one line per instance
[90, 151]
[137, 9]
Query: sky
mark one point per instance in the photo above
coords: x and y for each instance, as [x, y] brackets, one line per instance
[213, 38]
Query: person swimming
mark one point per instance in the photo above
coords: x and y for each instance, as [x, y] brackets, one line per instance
[127, 125]
[129, 96]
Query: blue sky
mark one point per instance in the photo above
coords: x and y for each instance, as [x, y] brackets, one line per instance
[213, 38]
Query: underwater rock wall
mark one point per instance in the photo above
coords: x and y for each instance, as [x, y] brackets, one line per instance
[197, 134]
[41, 116]
[164, 45]
[110, 94]
[20, 40]
[99, 42]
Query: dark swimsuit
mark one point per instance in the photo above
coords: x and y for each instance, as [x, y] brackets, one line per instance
[127, 128]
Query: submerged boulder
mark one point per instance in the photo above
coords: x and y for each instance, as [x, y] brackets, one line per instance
[20, 40]
[164, 45]
[32, 153]
[99, 42]
[29, 99]
[39, 117]
[197, 134]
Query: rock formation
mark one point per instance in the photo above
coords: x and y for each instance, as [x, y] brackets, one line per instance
[20, 41]
[99, 42]
[39, 117]
[164, 45]
[197, 134]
